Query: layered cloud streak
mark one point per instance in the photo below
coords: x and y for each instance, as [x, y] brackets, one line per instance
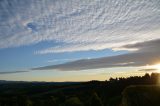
[148, 53]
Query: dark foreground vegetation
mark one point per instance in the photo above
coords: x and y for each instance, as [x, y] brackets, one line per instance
[114, 92]
[141, 96]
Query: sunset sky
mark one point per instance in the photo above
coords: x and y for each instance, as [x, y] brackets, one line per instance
[78, 40]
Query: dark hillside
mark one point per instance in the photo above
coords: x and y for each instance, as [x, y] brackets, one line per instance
[92, 93]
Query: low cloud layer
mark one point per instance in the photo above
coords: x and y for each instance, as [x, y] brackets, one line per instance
[148, 70]
[147, 53]
[78, 25]
[13, 72]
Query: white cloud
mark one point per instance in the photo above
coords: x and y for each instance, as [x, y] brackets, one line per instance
[78, 25]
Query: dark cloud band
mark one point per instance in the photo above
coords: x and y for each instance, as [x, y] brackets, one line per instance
[13, 72]
[148, 53]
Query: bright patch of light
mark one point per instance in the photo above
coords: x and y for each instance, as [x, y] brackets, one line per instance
[157, 66]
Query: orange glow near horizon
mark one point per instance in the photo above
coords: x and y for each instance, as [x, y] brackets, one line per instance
[151, 68]
[156, 66]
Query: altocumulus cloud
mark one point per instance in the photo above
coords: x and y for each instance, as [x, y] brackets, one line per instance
[78, 25]
[147, 53]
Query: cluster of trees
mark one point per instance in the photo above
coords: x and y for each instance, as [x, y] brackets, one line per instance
[141, 95]
[92, 93]
[50, 101]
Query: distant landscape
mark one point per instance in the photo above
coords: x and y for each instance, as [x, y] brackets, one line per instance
[131, 91]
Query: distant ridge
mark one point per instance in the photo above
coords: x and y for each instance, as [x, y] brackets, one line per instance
[40, 82]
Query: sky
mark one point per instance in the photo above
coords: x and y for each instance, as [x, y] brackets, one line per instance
[78, 40]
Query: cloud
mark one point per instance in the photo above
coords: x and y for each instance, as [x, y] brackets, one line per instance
[78, 25]
[13, 72]
[61, 60]
[148, 70]
[148, 53]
